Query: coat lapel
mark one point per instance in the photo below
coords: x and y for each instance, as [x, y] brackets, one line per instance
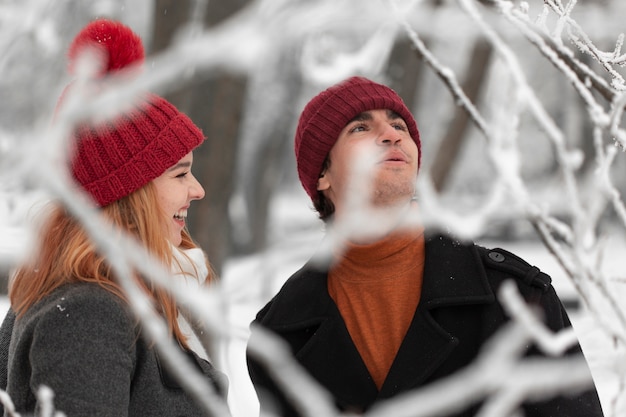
[307, 316]
[453, 275]
[331, 357]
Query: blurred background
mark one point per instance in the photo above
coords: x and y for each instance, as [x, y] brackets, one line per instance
[243, 70]
[249, 115]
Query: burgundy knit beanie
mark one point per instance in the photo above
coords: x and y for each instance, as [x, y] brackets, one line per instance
[112, 159]
[325, 116]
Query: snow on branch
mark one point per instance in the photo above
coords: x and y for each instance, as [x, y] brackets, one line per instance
[108, 241]
[306, 395]
[574, 240]
[574, 237]
[50, 172]
[517, 308]
[45, 399]
[500, 377]
[7, 404]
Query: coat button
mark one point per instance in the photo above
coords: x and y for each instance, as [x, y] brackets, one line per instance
[496, 256]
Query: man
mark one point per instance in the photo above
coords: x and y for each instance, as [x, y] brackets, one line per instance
[393, 309]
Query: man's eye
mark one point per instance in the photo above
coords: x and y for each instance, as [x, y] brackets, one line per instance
[181, 175]
[400, 126]
[358, 128]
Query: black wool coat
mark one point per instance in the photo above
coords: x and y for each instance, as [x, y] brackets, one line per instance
[457, 313]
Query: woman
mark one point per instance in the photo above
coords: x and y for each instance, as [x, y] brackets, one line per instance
[74, 331]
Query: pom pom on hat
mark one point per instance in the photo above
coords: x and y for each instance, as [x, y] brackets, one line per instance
[325, 116]
[114, 158]
[121, 47]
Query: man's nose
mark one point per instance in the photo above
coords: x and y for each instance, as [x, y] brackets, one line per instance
[389, 135]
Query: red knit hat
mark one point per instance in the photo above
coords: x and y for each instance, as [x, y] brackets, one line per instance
[112, 159]
[325, 116]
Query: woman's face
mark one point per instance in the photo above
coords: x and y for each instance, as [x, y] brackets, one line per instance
[176, 188]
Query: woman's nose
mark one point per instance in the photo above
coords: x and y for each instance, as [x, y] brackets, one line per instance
[196, 191]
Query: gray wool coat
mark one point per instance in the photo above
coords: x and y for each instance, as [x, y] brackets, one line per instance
[84, 343]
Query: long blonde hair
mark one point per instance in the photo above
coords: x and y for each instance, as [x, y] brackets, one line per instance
[66, 254]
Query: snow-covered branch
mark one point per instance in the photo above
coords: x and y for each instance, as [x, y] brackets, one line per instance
[571, 223]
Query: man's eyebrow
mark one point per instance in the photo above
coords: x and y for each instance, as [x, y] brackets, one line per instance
[180, 165]
[361, 117]
[393, 115]
[367, 116]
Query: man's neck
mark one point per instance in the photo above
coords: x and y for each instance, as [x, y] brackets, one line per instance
[374, 224]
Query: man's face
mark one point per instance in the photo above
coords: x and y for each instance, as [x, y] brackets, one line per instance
[383, 138]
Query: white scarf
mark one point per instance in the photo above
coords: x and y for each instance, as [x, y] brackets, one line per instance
[190, 266]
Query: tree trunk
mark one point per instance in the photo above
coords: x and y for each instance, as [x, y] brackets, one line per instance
[216, 106]
[404, 71]
[451, 144]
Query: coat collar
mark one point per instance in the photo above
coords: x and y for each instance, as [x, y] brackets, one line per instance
[453, 275]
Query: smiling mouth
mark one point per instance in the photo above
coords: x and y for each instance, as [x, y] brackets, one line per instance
[181, 215]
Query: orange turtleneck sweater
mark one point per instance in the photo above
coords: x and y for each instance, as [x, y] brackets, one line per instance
[376, 288]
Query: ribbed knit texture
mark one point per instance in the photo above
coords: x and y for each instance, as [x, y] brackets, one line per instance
[112, 159]
[327, 114]
[377, 288]
[117, 157]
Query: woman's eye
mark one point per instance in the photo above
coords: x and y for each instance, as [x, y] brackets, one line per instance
[181, 175]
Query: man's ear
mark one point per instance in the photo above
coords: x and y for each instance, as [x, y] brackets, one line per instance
[322, 182]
